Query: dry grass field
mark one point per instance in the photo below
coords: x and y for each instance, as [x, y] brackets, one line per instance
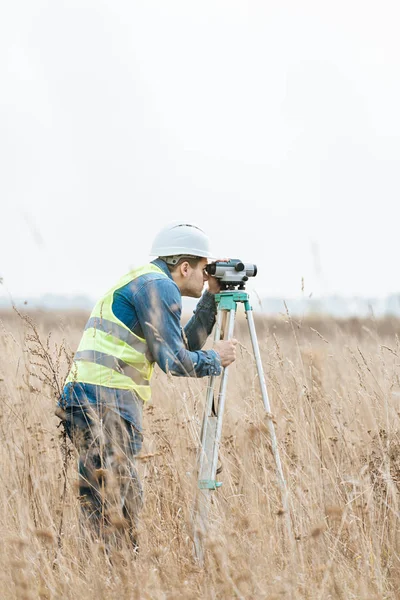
[335, 396]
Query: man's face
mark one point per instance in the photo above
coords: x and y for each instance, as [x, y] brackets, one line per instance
[196, 279]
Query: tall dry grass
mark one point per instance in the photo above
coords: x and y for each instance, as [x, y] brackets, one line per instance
[335, 394]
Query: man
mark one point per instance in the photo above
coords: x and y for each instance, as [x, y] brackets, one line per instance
[133, 326]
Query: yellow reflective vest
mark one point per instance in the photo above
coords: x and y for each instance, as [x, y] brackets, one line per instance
[109, 353]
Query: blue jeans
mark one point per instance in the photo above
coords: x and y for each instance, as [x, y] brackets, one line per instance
[110, 491]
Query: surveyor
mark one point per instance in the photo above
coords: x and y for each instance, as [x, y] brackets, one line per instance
[135, 324]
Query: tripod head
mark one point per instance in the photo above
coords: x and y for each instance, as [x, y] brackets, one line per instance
[232, 274]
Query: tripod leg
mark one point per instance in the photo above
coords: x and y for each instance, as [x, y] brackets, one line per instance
[210, 394]
[221, 399]
[208, 429]
[210, 441]
[271, 428]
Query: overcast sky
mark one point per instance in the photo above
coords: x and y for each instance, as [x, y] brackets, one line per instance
[275, 126]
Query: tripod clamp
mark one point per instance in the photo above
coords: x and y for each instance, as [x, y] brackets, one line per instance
[208, 484]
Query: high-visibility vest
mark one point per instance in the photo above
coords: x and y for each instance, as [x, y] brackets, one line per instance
[109, 353]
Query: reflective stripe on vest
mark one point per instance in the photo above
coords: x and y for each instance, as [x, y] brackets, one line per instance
[112, 362]
[109, 353]
[116, 331]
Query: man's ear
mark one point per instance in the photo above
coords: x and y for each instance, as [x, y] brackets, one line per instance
[185, 269]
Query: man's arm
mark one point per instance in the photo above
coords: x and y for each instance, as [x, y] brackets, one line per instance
[158, 305]
[199, 327]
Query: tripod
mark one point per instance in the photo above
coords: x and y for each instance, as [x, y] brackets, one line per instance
[227, 302]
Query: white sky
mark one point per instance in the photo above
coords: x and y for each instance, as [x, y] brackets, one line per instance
[273, 125]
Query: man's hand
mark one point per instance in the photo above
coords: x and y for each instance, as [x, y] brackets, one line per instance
[214, 286]
[226, 350]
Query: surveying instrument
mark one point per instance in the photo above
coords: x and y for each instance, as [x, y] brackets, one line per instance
[232, 276]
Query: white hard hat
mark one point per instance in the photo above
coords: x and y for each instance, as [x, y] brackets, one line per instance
[181, 239]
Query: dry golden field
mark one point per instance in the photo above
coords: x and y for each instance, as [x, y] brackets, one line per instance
[335, 395]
